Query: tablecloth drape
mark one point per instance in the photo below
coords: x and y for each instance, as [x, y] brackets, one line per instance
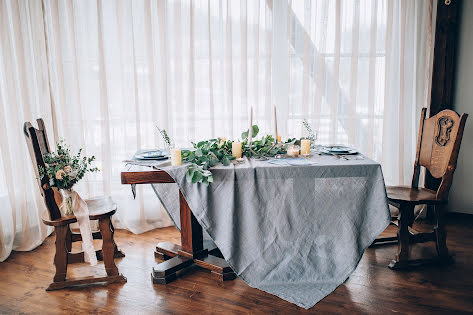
[296, 232]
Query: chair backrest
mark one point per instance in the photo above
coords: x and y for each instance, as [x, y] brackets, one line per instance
[38, 146]
[438, 145]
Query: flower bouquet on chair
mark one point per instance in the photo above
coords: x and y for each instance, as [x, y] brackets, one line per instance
[64, 170]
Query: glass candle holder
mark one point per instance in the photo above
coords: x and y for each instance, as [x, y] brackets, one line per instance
[293, 151]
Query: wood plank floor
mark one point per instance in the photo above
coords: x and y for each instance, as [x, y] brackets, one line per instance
[372, 288]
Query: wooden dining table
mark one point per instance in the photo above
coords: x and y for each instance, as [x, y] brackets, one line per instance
[193, 249]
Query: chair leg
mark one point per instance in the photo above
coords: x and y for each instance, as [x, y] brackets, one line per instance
[116, 252]
[108, 246]
[69, 239]
[440, 232]
[406, 213]
[60, 259]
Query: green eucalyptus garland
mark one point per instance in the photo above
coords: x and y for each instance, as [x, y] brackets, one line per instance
[209, 153]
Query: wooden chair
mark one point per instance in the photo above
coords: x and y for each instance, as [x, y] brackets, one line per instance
[438, 145]
[100, 209]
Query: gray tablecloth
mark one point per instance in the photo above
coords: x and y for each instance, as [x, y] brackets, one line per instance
[297, 232]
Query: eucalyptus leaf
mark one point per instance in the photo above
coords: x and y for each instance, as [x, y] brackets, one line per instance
[225, 161]
[189, 174]
[197, 177]
[244, 135]
[255, 130]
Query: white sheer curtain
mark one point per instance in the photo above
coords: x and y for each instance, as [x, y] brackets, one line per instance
[119, 68]
[103, 73]
[24, 95]
[360, 72]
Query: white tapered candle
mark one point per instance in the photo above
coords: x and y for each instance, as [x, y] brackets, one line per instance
[275, 124]
[250, 133]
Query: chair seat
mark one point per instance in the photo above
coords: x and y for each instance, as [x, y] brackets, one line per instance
[407, 194]
[98, 207]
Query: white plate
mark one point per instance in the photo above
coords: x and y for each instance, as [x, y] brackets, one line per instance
[339, 152]
[337, 148]
[140, 157]
[152, 154]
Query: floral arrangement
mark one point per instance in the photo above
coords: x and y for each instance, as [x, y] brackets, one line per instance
[63, 169]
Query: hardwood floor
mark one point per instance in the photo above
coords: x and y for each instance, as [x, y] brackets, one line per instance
[372, 288]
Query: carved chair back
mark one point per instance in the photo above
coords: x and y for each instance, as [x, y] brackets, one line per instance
[38, 146]
[438, 145]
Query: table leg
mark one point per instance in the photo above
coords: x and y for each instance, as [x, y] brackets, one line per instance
[191, 251]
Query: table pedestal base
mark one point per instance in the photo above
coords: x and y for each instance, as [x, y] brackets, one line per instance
[175, 259]
[193, 250]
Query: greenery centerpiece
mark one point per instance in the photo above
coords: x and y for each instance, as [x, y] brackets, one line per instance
[208, 153]
[64, 170]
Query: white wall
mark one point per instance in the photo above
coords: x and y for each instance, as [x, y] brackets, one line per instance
[461, 193]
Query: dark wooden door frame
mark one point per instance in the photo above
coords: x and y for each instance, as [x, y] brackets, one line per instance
[444, 61]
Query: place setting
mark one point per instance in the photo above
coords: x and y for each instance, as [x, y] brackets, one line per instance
[341, 152]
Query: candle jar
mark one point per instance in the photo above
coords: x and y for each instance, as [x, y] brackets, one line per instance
[305, 147]
[236, 149]
[293, 151]
[279, 138]
[176, 158]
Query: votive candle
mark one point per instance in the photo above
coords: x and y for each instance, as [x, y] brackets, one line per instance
[236, 149]
[293, 151]
[176, 158]
[279, 138]
[305, 146]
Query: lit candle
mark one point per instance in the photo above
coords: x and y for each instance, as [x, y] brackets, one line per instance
[275, 123]
[293, 151]
[279, 138]
[250, 134]
[236, 149]
[305, 147]
[176, 158]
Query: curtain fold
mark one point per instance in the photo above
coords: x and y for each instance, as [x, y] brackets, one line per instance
[103, 74]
